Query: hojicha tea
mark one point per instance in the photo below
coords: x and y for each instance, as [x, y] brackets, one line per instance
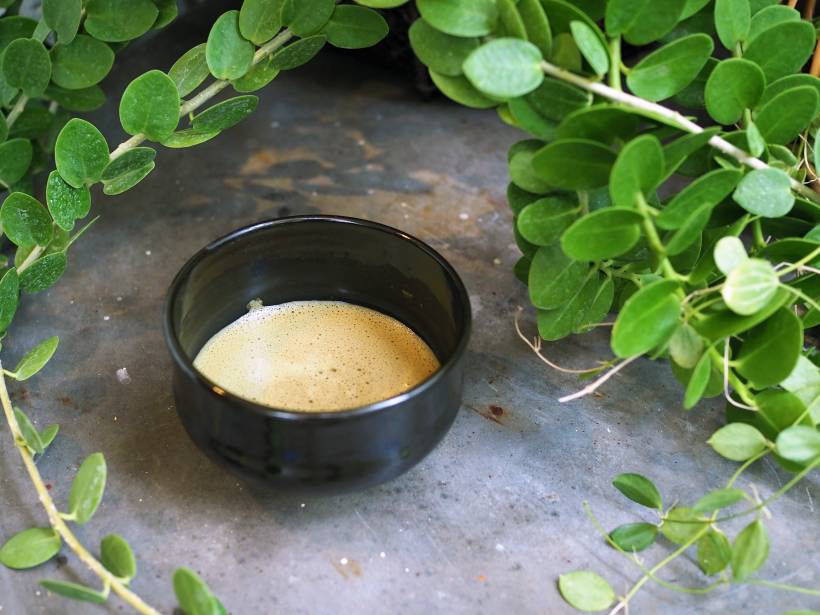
[316, 356]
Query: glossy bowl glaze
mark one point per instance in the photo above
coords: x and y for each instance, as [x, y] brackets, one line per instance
[319, 258]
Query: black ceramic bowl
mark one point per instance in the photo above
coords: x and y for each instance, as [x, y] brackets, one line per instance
[320, 258]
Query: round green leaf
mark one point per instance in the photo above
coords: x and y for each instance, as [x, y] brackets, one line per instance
[690, 231]
[87, 488]
[81, 63]
[686, 346]
[765, 192]
[638, 169]
[460, 17]
[225, 114]
[602, 234]
[586, 591]
[574, 164]
[749, 550]
[554, 99]
[461, 90]
[734, 85]
[354, 27]
[86, 99]
[26, 65]
[642, 22]
[509, 20]
[440, 52]
[782, 49]
[599, 306]
[537, 24]
[43, 272]
[563, 320]
[15, 158]
[800, 444]
[32, 123]
[771, 16]
[229, 56]
[603, 123]
[729, 253]
[590, 45]
[698, 381]
[518, 199]
[737, 441]
[677, 152]
[633, 537]
[732, 21]
[115, 21]
[193, 594]
[75, 591]
[648, 319]
[188, 138]
[678, 526]
[25, 221]
[522, 172]
[770, 351]
[708, 190]
[505, 68]
[260, 20]
[306, 17]
[127, 180]
[543, 221]
[190, 70]
[714, 551]
[129, 161]
[168, 12]
[150, 105]
[9, 297]
[787, 83]
[260, 75]
[81, 153]
[554, 278]
[117, 557]
[36, 358]
[720, 498]
[30, 433]
[65, 202]
[750, 286]
[30, 548]
[666, 71]
[639, 489]
[788, 114]
[63, 16]
[298, 53]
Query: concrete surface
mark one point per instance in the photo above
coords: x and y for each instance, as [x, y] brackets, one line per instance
[489, 520]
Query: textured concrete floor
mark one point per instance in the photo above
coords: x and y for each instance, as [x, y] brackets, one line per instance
[488, 521]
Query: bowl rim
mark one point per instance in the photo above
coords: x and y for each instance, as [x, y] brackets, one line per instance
[185, 363]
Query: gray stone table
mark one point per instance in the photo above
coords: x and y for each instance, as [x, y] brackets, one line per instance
[489, 520]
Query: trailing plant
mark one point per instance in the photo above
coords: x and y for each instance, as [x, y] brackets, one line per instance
[51, 67]
[679, 189]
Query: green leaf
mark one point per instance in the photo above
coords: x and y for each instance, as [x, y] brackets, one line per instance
[9, 297]
[48, 434]
[542, 221]
[537, 25]
[168, 12]
[225, 114]
[565, 52]
[602, 234]
[680, 149]
[30, 548]
[115, 21]
[150, 106]
[260, 20]
[554, 99]
[803, 382]
[354, 27]
[80, 64]
[777, 411]
[460, 17]
[698, 382]
[229, 56]
[800, 444]
[32, 123]
[750, 550]
[782, 49]
[732, 21]
[729, 253]
[188, 137]
[638, 169]
[632, 537]
[190, 70]
[87, 488]
[440, 52]
[505, 68]
[554, 278]
[63, 16]
[528, 118]
[298, 53]
[648, 319]
[734, 85]
[691, 7]
[771, 16]
[29, 432]
[642, 22]
[666, 71]
[591, 47]
[26, 65]
[686, 346]
[36, 359]
[81, 153]
[574, 164]
[737, 441]
[461, 91]
[25, 221]
[714, 552]
[586, 591]
[128, 180]
[770, 351]
[599, 306]
[639, 489]
[784, 117]
[65, 202]
[75, 591]
[603, 123]
[510, 22]
[678, 526]
[757, 144]
[130, 160]
[15, 158]
[720, 498]
[750, 286]
[260, 75]
[708, 190]
[559, 322]
[306, 17]
[43, 272]
[193, 594]
[117, 557]
[724, 323]
[690, 231]
[787, 83]
[765, 192]
[87, 99]
[522, 172]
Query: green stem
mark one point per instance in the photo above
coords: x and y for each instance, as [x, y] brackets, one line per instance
[800, 294]
[16, 110]
[757, 231]
[744, 466]
[737, 385]
[615, 63]
[796, 265]
[785, 586]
